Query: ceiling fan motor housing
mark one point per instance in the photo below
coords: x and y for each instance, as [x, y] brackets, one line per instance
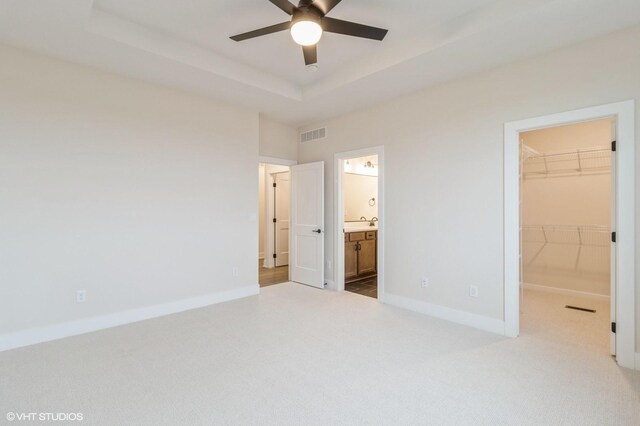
[307, 13]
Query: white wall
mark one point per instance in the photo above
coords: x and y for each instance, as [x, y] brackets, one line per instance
[572, 200]
[139, 194]
[278, 140]
[444, 164]
[358, 190]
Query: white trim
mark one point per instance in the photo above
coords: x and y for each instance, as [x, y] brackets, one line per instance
[86, 325]
[566, 292]
[638, 361]
[338, 261]
[492, 325]
[330, 284]
[624, 112]
[278, 161]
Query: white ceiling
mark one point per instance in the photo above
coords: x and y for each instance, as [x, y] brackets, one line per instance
[185, 44]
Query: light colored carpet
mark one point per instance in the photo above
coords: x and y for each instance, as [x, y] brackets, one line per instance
[301, 356]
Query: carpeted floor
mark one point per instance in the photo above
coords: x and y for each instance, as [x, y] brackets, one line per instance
[300, 356]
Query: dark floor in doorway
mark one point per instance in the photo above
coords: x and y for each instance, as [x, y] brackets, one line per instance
[367, 287]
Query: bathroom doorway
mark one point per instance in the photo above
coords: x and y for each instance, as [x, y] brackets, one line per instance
[359, 217]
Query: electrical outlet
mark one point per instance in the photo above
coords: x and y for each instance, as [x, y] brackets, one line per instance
[473, 291]
[235, 271]
[81, 296]
[424, 283]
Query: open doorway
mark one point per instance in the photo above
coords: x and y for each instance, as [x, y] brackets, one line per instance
[566, 220]
[622, 264]
[359, 212]
[274, 206]
[360, 194]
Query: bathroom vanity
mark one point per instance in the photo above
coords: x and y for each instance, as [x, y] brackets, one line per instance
[360, 254]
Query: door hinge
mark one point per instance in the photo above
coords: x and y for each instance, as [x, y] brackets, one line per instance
[274, 184]
[613, 327]
[274, 255]
[613, 237]
[274, 220]
[613, 146]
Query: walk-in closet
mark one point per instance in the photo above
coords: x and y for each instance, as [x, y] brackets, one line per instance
[566, 211]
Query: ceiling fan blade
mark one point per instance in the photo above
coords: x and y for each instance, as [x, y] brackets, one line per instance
[337, 26]
[326, 5]
[310, 54]
[284, 5]
[262, 31]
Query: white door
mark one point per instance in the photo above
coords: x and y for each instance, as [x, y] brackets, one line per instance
[306, 255]
[281, 215]
[614, 287]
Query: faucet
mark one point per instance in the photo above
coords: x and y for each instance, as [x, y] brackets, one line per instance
[363, 218]
[373, 221]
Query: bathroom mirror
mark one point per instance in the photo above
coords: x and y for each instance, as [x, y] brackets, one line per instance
[360, 197]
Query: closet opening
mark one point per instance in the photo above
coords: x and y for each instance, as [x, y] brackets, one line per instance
[273, 224]
[567, 214]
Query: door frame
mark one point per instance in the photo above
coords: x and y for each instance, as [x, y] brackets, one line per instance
[272, 212]
[624, 114]
[269, 236]
[338, 236]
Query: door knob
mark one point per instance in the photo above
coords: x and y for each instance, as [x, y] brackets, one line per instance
[318, 231]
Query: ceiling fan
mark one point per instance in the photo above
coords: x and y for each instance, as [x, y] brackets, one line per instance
[308, 21]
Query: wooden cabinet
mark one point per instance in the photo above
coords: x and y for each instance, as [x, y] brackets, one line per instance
[360, 255]
[350, 260]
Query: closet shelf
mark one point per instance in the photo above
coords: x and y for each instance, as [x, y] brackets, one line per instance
[588, 161]
[583, 235]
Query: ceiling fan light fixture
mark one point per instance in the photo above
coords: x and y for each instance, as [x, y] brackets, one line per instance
[306, 32]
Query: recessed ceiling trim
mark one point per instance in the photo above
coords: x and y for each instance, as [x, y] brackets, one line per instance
[428, 40]
[107, 25]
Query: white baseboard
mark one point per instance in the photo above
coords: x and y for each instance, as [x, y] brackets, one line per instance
[86, 325]
[566, 292]
[460, 317]
[330, 285]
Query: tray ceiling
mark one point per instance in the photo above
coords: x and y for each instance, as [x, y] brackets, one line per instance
[186, 44]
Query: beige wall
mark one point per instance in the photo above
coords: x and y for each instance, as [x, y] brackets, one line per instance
[278, 140]
[358, 190]
[444, 164]
[572, 200]
[139, 194]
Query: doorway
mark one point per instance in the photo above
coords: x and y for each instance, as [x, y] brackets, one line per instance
[274, 206]
[359, 234]
[622, 265]
[566, 215]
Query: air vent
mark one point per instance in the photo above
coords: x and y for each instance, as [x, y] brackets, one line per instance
[313, 135]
